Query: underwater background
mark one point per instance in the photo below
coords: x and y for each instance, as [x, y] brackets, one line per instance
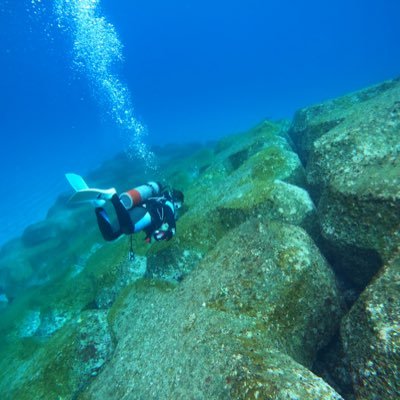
[280, 122]
[195, 71]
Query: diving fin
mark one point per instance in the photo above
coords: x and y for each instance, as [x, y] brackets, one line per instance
[98, 196]
[77, 182]
[85, 194]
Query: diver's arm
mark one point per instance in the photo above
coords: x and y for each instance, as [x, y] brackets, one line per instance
[168, 229]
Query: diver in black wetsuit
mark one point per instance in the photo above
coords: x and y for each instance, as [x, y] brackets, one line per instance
[155, 216]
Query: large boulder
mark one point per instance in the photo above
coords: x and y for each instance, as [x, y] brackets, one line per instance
[371, 337]
[15, 268]
[47, 248]
[171, 264]
[351, 147]
[250, 175]
[246, 323]
[333, 366]
[70, 359]
[57, 336]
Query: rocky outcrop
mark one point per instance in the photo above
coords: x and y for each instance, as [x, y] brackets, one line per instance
[71, 358]
[46, 249]
[57, 337]
[255, 174]
[333, 367]
[371, 337]
[171, 264]
[241, 304]
[244, 324]
[351, 148]
[50, 247]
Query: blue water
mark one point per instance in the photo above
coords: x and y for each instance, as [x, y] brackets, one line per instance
[182, 71]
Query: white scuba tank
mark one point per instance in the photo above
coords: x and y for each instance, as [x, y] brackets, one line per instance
[138, 195]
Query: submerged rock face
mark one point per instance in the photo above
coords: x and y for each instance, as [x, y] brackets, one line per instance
[171, 264]
[71, 358]
[239, 303]
[254, 174]
[245, 324]
[371, 337]
[351, 148]
[255, 302]
[46, 249]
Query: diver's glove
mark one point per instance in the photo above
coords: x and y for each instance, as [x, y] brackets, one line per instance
[159, 235]
[162, 235]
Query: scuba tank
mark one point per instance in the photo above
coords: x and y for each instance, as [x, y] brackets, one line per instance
[138, 195]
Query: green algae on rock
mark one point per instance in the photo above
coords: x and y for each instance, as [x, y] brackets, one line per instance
[371, 337]
[333, 366]
[64, 323]
[261, 299]
[244, 177]
[255, 299]
[259, 165]
[40, 256]
[61, 368]
[171, 264]
[249, 175]
[225, 196]
[351, 147]
[274, 272]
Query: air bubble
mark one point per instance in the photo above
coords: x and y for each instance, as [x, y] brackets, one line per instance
[97, 51]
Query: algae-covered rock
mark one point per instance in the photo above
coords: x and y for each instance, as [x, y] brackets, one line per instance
[333, 366]
[262, 302]
[61, 368]
[15, 267]
[250, 175]
[171, 263]
[59, 331]
[351, 148]
[274, 272]
[371, 337]
[40, 232]
[254, 174]
[254, 297]
[312, 123]
[47, 249]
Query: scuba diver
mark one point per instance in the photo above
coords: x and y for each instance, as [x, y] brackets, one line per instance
[155, 215]
[149, 208]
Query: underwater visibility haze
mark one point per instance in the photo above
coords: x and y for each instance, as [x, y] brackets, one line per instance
[280, 123]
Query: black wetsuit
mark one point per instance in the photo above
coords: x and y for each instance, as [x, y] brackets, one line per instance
[156, 217]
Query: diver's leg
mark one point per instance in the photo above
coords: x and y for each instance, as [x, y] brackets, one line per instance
[105, 226]
[124, 219]
[140, 218]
